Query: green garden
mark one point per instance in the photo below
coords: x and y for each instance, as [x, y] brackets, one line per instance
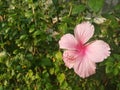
[30, 57]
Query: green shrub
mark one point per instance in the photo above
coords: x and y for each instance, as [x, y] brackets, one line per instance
[30, 58]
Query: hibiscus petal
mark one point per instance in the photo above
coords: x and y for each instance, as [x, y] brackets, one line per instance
[97, 51]
[69, 58]
[68, 41]
[84, 67]
[83, 32]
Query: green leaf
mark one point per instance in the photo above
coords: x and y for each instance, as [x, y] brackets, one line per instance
[63, 28]
[28, 14]
[78, 9]
[31, 30]
[101, 87]
[64, 86]
[116, 56]
[58, 55]
[30, 73]
[109, 69]
[3, 56]
[1, 88]
[38, 32]
[55, 2]
[45, 62]
[115, 71]
[52, 71]
[118, 65]
[109, 65]
[95, 5]
[23, 37]
[61, 78]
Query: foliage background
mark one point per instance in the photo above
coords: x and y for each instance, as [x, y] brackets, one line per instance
[30, 58]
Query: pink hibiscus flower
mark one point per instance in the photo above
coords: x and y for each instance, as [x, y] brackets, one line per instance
[82, 56]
